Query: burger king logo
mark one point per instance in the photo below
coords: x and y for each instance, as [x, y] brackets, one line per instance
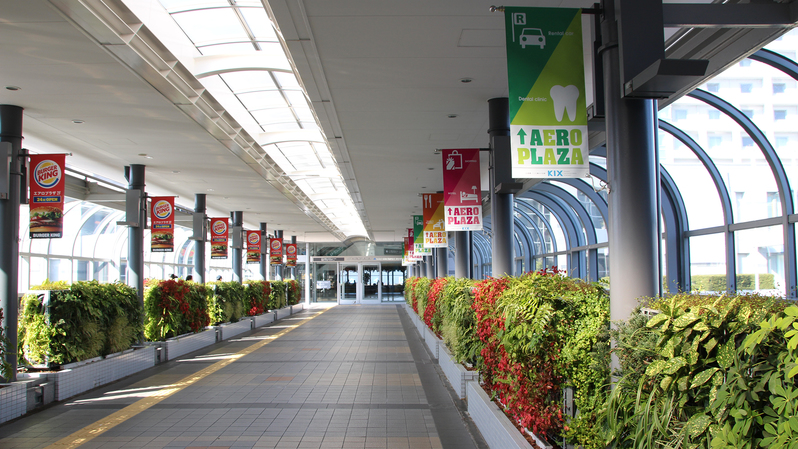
[253, 238]
[162, 210]
[291, 249]
[219, 227]
[47, 174]
[276, 244]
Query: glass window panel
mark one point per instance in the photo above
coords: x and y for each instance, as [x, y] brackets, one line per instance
[273, 116]
[698, 191]
[249, 81]
[259, 23]
[244, 46]
[287, 80]
[207, 26]
[265, 100]
[59, 270]
[38, 271]
[180, 5]
[296, 98]
[708, 263]
[760, 260]
[280, 127]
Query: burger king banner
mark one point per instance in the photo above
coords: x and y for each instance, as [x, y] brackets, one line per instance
[276, 251]
[219, 238]
[47, 196]
[162, 214]
[290, 255]
[253, 246]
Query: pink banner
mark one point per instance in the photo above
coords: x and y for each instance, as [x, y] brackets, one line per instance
[462, 194]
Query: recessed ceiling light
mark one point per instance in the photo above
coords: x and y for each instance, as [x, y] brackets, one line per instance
[452, 116]
[210, 190]
[13, 88]
[466, 80]
[145, 155]
[430, 168]
[175, 171]
[78, 121]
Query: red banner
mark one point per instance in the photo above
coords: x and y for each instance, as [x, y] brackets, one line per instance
[276, 251]
[47, 181]
[434, 228]
[162, 215]
[462, 190]
[219, 238]
[253, 246]
[290, 255]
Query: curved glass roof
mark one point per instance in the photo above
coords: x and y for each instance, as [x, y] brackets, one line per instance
[244, 64]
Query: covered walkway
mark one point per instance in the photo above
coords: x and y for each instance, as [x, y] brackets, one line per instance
[339, 377]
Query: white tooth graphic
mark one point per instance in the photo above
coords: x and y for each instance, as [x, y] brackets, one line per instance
[564, 98]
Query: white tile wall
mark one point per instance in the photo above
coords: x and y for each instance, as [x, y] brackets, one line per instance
[456, 373]
[77, 378]
[13, 400]
[179, 346]
[283, 313]
[432, 342]
[234, 329]
[495, 427]
[262, 320]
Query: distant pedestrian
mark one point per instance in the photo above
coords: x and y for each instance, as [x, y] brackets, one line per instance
[189, 278]
[219, 278]
[172, 276]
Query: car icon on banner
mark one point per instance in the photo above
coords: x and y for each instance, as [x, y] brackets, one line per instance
[532, 36]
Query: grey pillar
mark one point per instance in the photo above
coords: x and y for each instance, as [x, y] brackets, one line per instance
[429, 266]
[200, 236]
[442, 262]
[137, 198]
[502, 247]
[264, 252]
[279, 268]
[462, 255]
[237, 229]
[11, 132]
[633, 177]
[292, 272]
[308, 278]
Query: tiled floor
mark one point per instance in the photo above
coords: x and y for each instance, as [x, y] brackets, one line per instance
[346, 377]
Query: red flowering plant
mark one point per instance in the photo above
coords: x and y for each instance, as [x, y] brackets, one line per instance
[175, 307]
[410, 292]
[293, 293]
[435, 294]
[258, 295]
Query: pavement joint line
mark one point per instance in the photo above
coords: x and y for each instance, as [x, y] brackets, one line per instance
[97, 428]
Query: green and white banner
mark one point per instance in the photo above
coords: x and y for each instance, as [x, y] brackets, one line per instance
[418, 237]
[548, 112]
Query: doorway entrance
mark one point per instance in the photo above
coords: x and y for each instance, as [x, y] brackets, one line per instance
[372, 282]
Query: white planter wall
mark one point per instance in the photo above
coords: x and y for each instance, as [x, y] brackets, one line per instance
[76, 378]
[179, 346]
[283, 313]
[231, 330]
[432, 341]
[456, 373]
[262, 320]
[495, 427]
[13, 400]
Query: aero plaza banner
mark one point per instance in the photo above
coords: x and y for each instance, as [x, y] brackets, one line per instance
[462, 193]
[219, 238]
[406, 245]
[253, 246]
[418, 237]
[434, 232]
[548, 116]
[162, 214]
[47, 196]
[276, 251]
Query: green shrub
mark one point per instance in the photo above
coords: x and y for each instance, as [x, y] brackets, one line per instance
[717, 282]
[229, 302]
[457, 324]
[258, 294]
[292, 292]
[421, 291]
[87, 320]
[277, 297]
[175, 307]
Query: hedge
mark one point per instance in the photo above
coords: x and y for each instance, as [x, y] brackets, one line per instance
[175, 307]
[717, 282]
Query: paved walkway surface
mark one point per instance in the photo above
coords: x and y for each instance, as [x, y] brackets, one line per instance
[339, 377]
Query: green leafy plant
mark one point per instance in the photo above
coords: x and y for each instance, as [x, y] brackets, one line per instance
[175, 307]
[258, 294]
[228, 303]
[277, 297]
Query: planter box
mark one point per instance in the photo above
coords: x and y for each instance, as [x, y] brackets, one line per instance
[182, 345]
[495, 427]
[264, 319]
[13, 400]
[285, 312]
[79, 377]
[230, 330]
[296, 308]
[432, 341]
[456, 373]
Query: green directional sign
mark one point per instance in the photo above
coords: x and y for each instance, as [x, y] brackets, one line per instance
[548, 112]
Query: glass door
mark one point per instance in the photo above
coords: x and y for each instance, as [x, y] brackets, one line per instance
[350, 287]
[372, 285]
[325, 282]
[393, 276]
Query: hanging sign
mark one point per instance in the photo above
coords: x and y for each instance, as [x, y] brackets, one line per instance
[47, 196]
[548, 113]
[406, 243]
[276, 251]
[411, 249]
[253, 246]
[418, 237]
[162, 214]
[290, 254]
[461, 190]
[434, 230]
[219, 238]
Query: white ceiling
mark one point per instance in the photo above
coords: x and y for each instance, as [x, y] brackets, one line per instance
[384, 77]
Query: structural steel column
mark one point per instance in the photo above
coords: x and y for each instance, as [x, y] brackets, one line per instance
[292, 272]
[462, 255]
[633, 177]
[278, 269]
[237, 226]
[442, 262]
[430, 268]
[11, 132]
[502, 247]
[135, 232]
[199, 237]
[264, 252]
[307, 273]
